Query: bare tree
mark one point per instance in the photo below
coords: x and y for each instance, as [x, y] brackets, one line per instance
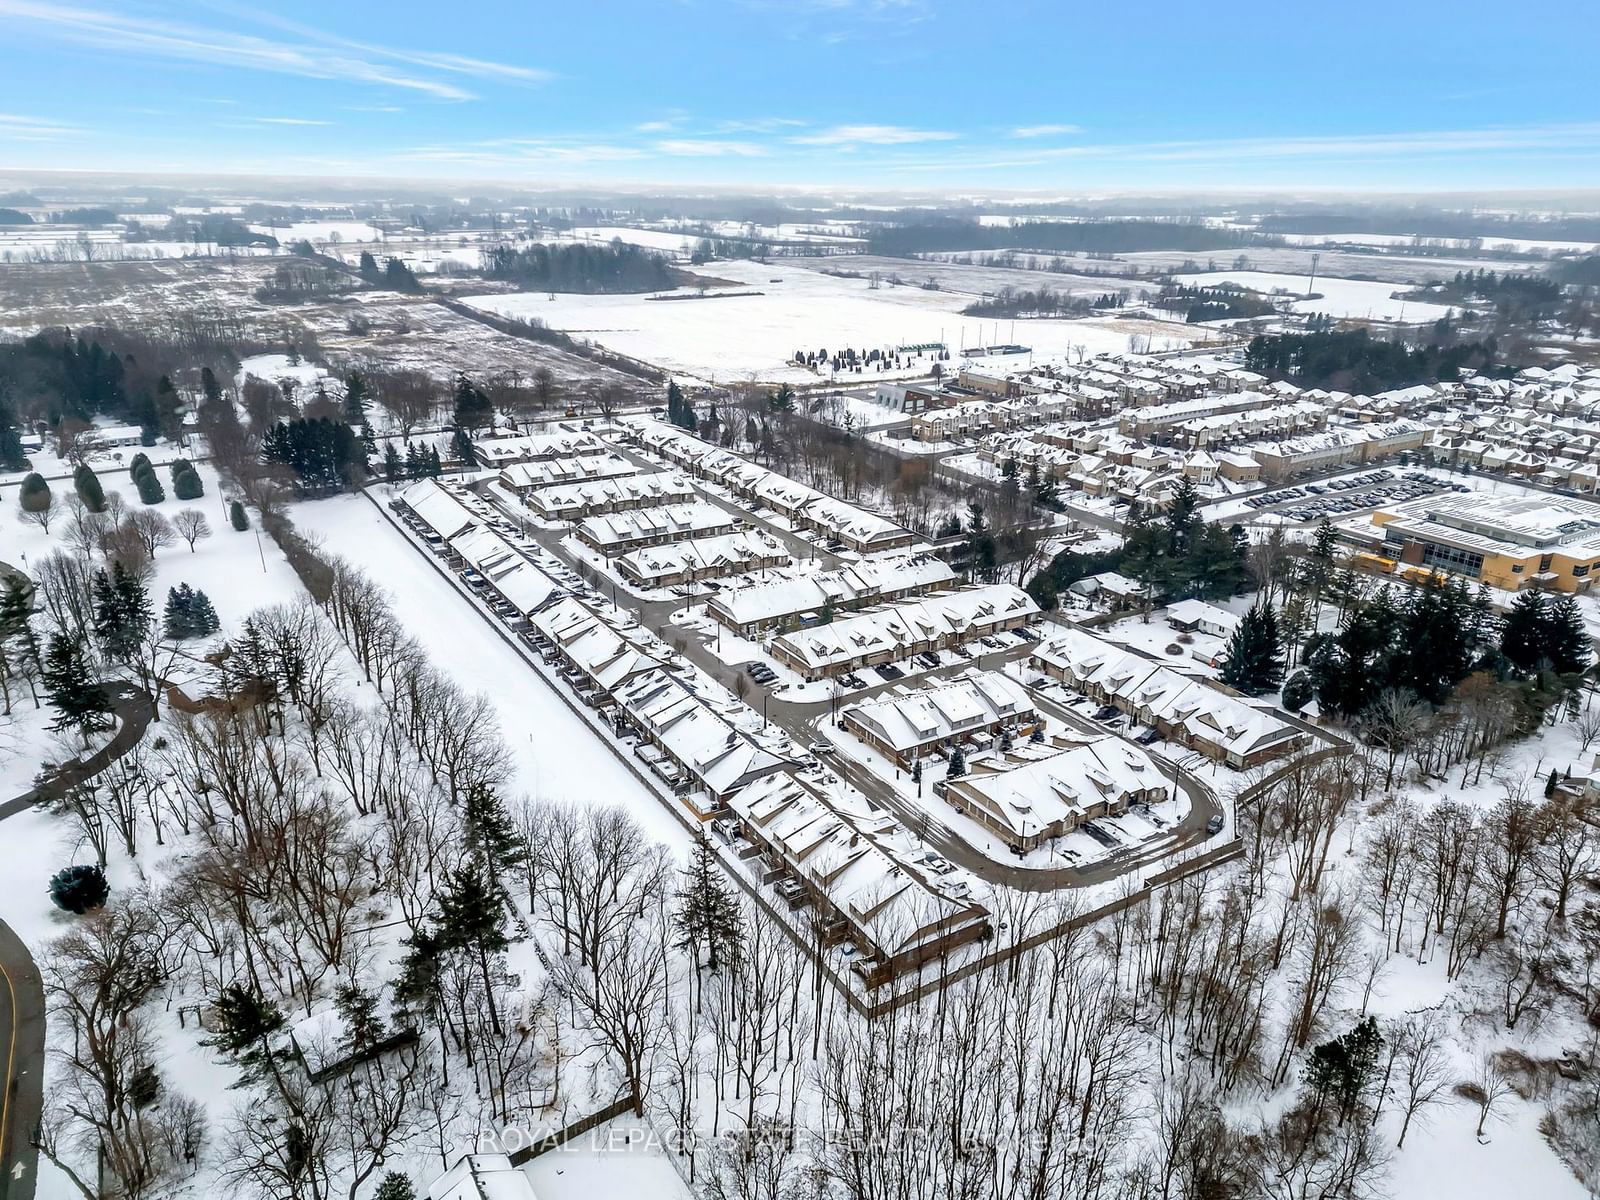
[150, 529]
[43, 516]
[191, 526]
[1421, 1045]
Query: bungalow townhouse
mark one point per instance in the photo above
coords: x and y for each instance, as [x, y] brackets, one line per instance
[702, 558]
[524, 478]
[901, 630]
[907, 724]
[593, 656]
[476, 1176]
[574, 501]
[1035, 792]
[834, 859]
[498, 453]
[617, 533]
[1182, 708]
[1160, 420]
[754, 609]
[443, 517]
[691, 739]
[805, 507]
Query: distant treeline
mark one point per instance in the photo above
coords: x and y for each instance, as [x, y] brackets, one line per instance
[580, 267]
[1529, 297]
[1356, 362]
[1435, 225]
[1585, 272]
[10, 216]
[1108, 237]
[1011, 302]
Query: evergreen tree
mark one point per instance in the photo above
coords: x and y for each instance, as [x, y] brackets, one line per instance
[177, 619]
[958, 764]
[395, 1186]
[1254, 662]
[186, 483]
[363, 1026]
[122, 613]
[79, 889]
[471, 918]
[488, 832]
[368, 267]
[87, 485]
[19, 647]
[472, 410]
[1342, 1069]
[149, 487]
[79, 702]
[393, 467]
[1297, 692]
[12, 456]
[202, 616]
[708, 915]
[1567, 642]
[1523, 633]
[237, 516]
[355, 399]
[461, 446]
[34, 495]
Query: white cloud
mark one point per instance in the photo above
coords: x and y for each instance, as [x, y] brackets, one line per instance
[872, 135]
[286, 121]
[16, 128]
[309, 58]
[1038, 131]
[710, 148]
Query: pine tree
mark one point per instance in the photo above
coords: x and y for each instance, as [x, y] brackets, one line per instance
[178, 617]
[203, 619]
[186, 483]
[1522, 634]
[395, 1186]
[958, 764]
[122, 613]
[461, 446]
[87, 485]
[471, 918]
[393, 467]
[363, 1026]
[237, 516]
[1566, 638]
[708, 914]
[79, 889]
[355, 399]
[79, 702]
[488, 832]
[19, 647]
[1254, 662]
[12, 456]
[149, 487]
[473, 410]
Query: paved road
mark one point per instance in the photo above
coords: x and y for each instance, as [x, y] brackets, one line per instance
[22, 1025]
[798, 720]
[21, 1066]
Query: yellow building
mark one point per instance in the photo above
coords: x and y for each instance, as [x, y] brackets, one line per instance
[1507, 542]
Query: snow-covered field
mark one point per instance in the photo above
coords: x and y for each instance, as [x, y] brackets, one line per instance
[1517, 245]
[732, 338]
[1357, 298]
[321, 231]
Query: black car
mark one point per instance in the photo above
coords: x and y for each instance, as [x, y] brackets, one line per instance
[890, 671]
[1105, 712]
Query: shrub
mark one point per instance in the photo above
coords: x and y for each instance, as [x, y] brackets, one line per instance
[35, 493]
[237, 516]
[79, 889]
[150, 489]
[1297, 692]
[138, 465]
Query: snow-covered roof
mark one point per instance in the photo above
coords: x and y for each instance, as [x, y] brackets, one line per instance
[725, 554]
[720, 756]
[570, 469]
[643, 524]
[575, 499]
[853, 584]
[898, 627]
[1155, 692]
[482, 1177]
[1038, 789]
[906, 718]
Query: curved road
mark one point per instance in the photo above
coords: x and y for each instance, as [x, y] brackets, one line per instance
[22, 1023]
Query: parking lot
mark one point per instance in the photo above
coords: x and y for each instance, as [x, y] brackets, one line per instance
[1354, 493]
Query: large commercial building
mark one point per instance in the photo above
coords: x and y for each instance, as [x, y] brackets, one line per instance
[1505, 541]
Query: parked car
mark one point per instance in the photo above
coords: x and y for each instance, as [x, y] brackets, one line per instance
[1214, 825]
[1148, 735]
[822, 746]
[1105, 712]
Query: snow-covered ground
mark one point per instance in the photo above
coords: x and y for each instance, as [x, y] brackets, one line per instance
[1356, 298]
[730, 338]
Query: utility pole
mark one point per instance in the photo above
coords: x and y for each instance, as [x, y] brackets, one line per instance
[1313, 287]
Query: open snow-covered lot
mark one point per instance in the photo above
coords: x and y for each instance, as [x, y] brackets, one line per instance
[728, 337]
[1357, 298]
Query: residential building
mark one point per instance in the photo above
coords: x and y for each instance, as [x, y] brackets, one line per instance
[755, 608]
[907, 724]
[617, 533]
[702, 558]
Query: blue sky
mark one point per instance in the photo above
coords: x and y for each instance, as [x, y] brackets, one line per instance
[864, 94]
